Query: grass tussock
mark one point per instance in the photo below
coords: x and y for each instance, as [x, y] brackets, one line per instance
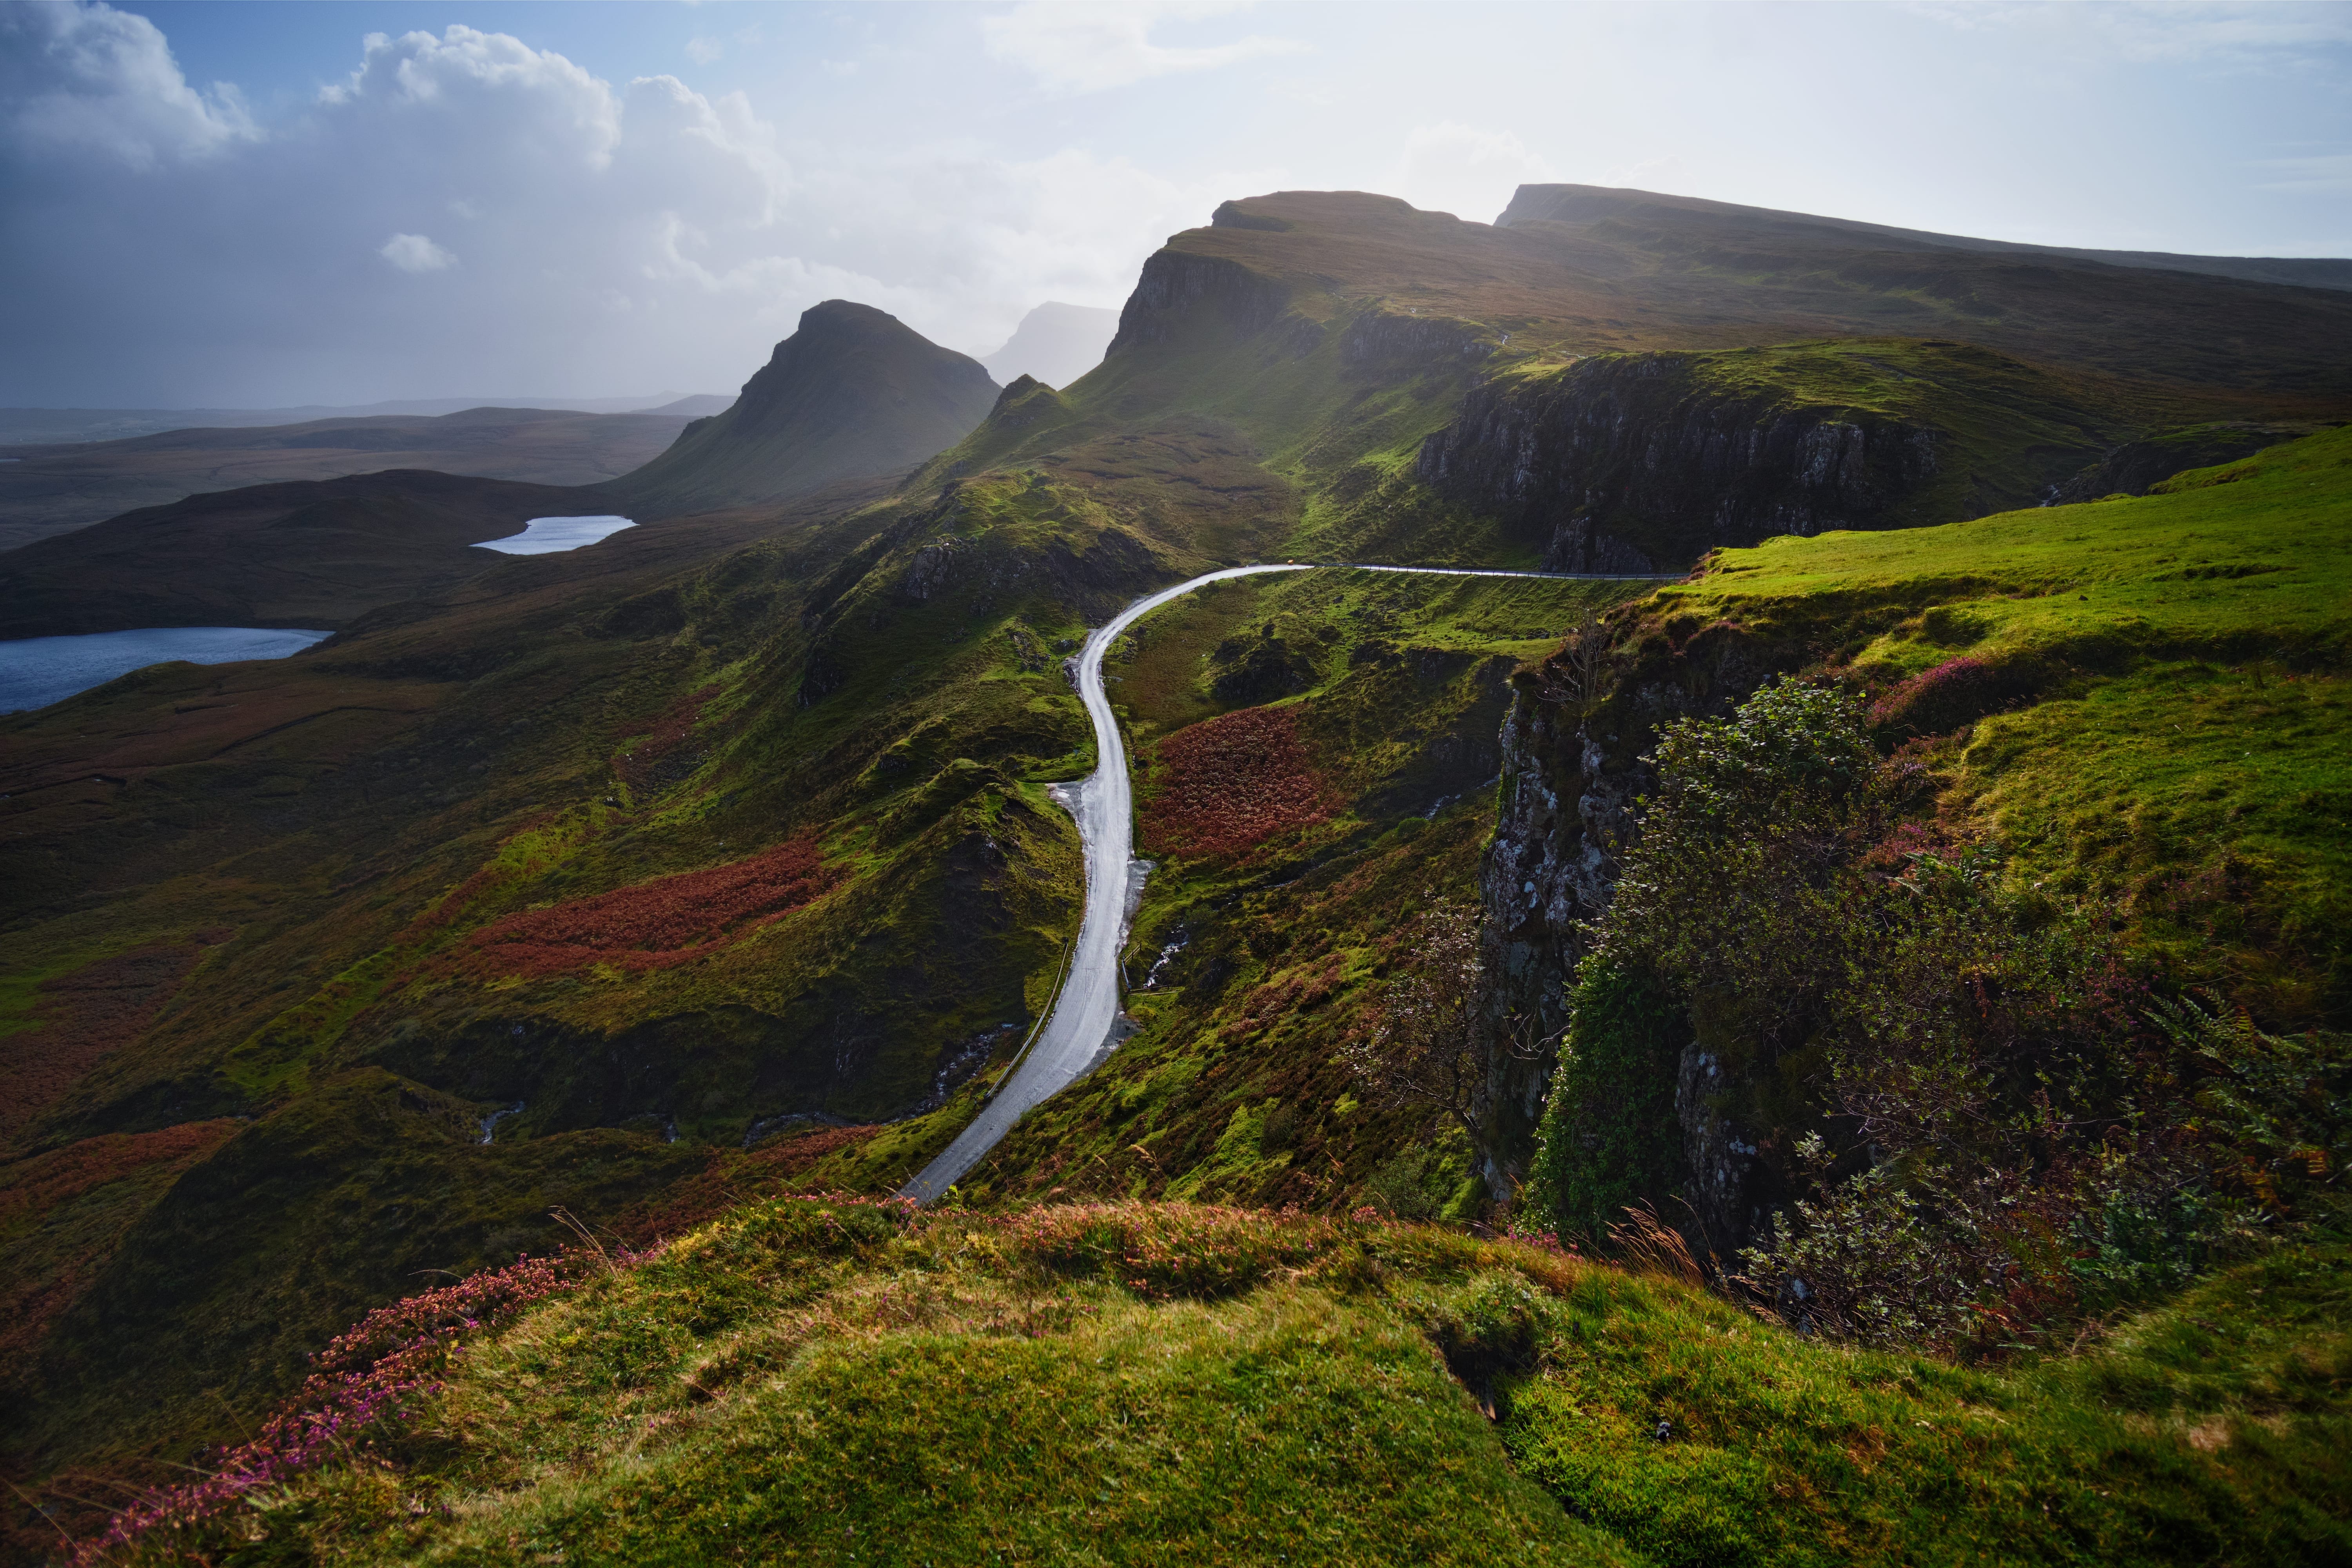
[830, 1380]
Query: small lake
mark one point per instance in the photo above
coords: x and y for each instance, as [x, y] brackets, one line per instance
[552, 535]
[37, 672]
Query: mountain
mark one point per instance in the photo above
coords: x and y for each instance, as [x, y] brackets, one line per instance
[699, 406]
[723, 863]
[1055, 344]
[852, 392]
[34, 427]
[54, 490]
[1582, 205]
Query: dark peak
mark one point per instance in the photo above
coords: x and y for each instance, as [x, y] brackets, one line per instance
[848, 313]
[1020, 388]
[852, 392]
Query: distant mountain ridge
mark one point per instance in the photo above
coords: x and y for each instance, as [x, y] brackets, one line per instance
[54, 488]
[852, 392]
[1055, 344]
[1590, 204]
[34, 427]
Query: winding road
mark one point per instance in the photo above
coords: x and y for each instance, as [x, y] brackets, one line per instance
[1078, 1032]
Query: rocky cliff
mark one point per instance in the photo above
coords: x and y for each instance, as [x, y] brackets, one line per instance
[1574, 743]
[1643, 462]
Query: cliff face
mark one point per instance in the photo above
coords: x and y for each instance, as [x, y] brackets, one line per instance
[1637, 463]
[1572, 773]
[1179, 290]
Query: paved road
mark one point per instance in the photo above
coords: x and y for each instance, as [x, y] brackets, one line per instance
[1079, 1030]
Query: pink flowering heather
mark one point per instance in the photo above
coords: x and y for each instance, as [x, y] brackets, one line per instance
[1956, 692]
[373, 1372]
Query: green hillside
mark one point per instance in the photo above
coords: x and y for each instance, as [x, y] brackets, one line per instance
[718, 860]
[827, 1381]
[2163, 705]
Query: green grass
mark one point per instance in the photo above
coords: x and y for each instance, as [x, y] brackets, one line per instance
[2177, 743]
[807, 1380]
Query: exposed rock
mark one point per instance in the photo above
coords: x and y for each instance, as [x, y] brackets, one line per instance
[1628, 463]
[2131, 468]
[1572, 774]
[1179, 290]
[930, 570]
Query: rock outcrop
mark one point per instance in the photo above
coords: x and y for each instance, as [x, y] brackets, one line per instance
[1573, 771]
[1636, 463]
[1179, 290]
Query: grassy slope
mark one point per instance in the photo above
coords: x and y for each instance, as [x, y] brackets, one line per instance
[2181, 742]
[1231, 1089]
[435, 744]
[810, 1380]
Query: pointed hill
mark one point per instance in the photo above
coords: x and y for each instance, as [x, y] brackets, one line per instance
[852, 392]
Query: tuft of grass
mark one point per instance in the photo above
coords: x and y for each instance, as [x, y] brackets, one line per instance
[826, 1380]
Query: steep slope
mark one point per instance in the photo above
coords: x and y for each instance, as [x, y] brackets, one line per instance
[852, 392]
[51, 490]
[1668, 390]
[1055, 344]
[2133, 708]
[736, 829]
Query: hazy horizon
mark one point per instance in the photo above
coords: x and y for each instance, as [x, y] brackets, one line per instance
[230, 207]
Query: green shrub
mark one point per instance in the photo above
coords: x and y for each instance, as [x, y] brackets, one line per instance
[1609, 1140]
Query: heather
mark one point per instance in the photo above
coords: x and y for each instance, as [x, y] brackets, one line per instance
[79, 1019]
[823, 1378]
[656, 924]
[1226, 786]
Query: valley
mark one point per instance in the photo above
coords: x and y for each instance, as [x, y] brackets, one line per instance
[1419, 571]
[50, 489]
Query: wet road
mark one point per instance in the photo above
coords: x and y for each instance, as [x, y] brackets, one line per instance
[1079, 1033]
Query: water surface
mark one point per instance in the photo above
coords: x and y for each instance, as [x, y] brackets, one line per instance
[37, 672]
[551, 535]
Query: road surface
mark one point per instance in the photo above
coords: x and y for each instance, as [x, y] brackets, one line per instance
[1079, 1030]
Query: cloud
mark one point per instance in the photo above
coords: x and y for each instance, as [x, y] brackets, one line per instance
[87, 76]
[613, 237]
[415, 253]
[1466, 170]
[705, 51]
[2329, 174]
[1079, 48]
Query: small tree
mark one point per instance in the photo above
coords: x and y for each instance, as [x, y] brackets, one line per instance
[1423, 1048]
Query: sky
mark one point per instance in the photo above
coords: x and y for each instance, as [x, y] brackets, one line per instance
[262, 205]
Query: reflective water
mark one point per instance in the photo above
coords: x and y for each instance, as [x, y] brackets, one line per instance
[37, 672]
[551, 535]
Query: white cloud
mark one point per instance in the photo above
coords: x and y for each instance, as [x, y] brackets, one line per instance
[1085, 47]
[90, 77]
[415, 253]
[705, 51]
[606, 238]
[1466, 170]
[2329, 174]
